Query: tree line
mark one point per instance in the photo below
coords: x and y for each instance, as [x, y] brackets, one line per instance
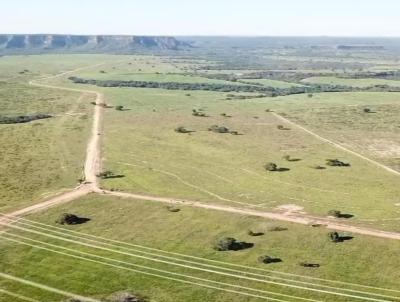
[267, 91]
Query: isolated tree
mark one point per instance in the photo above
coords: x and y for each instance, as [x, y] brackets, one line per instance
[367, 110]
[182, 129]
[281, 127]
[119, 107]
[218, 129]
[268, 259]
[67, 218]
[230, 244]
[271, 167]
[255, 234]
[335, 213]
[334, 237]
[336, 163]
[105, 174]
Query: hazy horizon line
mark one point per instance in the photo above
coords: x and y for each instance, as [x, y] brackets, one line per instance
[206, 35]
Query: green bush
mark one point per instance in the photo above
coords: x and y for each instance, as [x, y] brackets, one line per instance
[336, 163]
[271, 167]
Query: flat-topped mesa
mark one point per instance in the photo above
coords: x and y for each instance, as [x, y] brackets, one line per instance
[26, 43]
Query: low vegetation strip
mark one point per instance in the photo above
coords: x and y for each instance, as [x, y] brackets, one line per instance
[22, 118]
[268, 91]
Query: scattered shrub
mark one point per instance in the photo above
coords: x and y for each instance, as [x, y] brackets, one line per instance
[218, 129]
[70, 219]
[336, 163]
[276, 229]
[335, 213]
[309, 265]
[334, 236]
[271, 167]
[231, 244]
[318, 167]
[105, 174]
[198, 113]
[173, 209]
[255, 234]
[182, 129]
[281, 127]
[268, 259]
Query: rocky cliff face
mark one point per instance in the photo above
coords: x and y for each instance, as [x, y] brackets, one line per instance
[83, 43]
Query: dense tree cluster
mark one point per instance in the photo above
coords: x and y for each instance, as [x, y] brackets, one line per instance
[265, 90]
[22, 118]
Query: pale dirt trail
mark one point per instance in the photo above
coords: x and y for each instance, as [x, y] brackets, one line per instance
[92, 163]
[336, 145]
[93, 167]
[293, 217]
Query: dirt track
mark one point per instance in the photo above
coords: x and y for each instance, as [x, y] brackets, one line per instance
[93, 166]
[336, 145]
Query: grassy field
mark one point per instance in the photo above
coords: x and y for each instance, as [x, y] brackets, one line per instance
[41, 157]
[192, 232]
[341, 117]
[141, 145]
[351, 82]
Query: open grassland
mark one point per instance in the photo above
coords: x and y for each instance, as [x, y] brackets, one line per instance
[24, 68]
[105, 267]
[341, 117]
[350, 82]
[141, 147]
[45, 156]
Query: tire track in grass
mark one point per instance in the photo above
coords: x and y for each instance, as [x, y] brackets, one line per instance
[336, 145]
[18, 296]
[85, 258]
[80, 234]
[46, 287]
[219, 272]
[181, 180]
[64, 232]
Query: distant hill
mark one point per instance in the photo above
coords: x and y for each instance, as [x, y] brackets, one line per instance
[40, 43]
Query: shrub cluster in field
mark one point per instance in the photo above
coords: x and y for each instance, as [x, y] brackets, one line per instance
[22, 118]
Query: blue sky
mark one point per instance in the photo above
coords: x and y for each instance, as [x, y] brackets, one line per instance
[203, 17]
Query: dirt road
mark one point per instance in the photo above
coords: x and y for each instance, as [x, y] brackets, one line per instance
[92, 164]
[293, 217]
[92, 167]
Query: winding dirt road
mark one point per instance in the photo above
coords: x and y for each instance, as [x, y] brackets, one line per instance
[92, 167]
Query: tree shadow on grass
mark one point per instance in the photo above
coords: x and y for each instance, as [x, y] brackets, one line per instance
[345, 216]
[115, 176]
